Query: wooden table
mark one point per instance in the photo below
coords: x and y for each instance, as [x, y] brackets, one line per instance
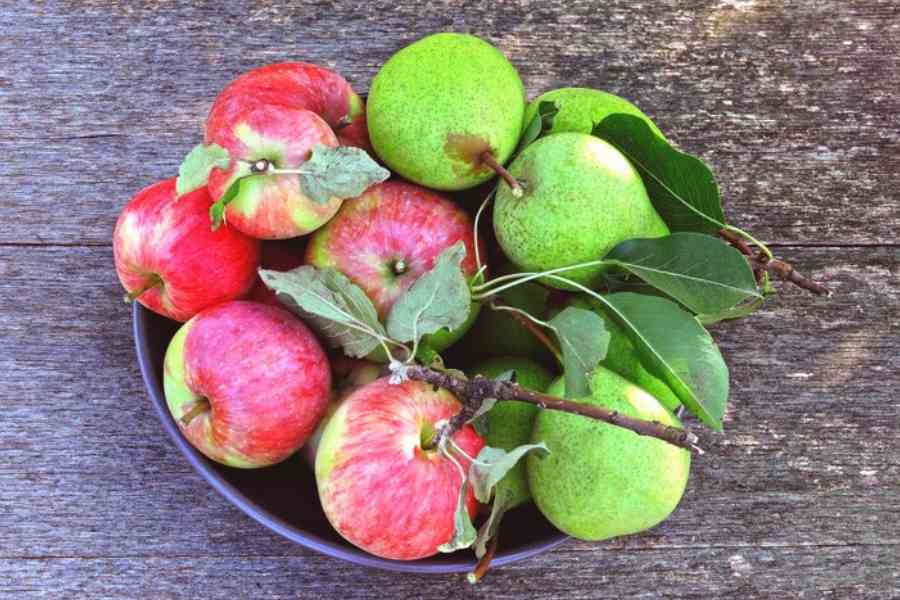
[797, 107]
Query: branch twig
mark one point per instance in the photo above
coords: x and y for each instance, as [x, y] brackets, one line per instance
[485, 563]
[761, 264]
[474, 391]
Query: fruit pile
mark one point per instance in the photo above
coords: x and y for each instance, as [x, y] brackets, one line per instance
[343, 293]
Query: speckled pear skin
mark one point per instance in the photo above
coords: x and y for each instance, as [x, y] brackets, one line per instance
[582, 108]
[622, 357]
[601, 481]
[438, 104]
[582, 197]
[510, 422]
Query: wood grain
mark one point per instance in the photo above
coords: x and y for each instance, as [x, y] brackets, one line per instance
[795, 107]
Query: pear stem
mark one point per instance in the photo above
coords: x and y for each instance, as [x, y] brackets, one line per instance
[516, 187]
[153, 281]
[474, 391]
[199, 407]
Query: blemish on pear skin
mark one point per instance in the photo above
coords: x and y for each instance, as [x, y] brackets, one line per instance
[465, 150]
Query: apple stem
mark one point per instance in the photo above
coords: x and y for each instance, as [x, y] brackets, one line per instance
[153, 281]
[473, 391]
[763, 262]
[485, 563]
[199, 407]
[516, 187]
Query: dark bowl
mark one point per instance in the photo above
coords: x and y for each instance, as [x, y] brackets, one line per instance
[284, 499]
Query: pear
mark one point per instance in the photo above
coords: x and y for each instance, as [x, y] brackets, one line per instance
[509, 422]
[497, 333]
[622, 357]
[582, 108]
[601, 481]
[445, 111]
[581, 198]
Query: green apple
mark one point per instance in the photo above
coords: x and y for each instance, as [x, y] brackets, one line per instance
[601, 481]
[438, 106]
[509, 423]
[582, 197]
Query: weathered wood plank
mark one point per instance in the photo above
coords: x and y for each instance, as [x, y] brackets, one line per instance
[808, 467]
[794, 105]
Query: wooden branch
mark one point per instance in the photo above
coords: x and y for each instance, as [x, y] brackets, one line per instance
[485, 563]
[473, 391]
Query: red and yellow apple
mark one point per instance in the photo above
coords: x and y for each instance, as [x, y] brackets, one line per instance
[247, 383]
[380, 489]
[388, 237]
[280, 113]
[169, 259]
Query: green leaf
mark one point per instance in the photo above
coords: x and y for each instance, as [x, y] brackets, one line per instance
[479, 417]
[699, 271]
[492, 464]
[735, 312]
[463, 530]
[674, 346]
[490, 527]
[342, 172]
[194, 170]
[682, 188]
[332, 304]
[583, 339]
[541, 123]
[438, 299]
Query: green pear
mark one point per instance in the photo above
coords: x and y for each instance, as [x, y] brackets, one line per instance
[509, 423]
[582, 197]
[497, 333]
[582, 108]
[601, 481]
[443, 109]
[622, 357]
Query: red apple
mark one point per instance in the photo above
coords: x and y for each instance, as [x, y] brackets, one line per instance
[246, 382]
[348, 374]
[299, 86]
[169, 259]
[271, 206]
[277, 256]
[390, 236]
[379, 488]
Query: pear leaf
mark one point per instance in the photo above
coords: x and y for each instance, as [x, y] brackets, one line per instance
[342, 172]
[490, 527]
[541, 123]
[463, 531]
[583, 339]
[681, 187]
[194, 170]
[438, 299]
[673, 345]
[698, 270]
[735, 312]
[478, 419]
[492, 464]
[331, 304]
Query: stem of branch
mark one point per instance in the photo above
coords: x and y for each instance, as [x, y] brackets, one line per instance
[761, 263]
[533, 327]
[488, 159]
[474, 391]
[485, 563]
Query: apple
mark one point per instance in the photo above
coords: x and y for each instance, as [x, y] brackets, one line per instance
[282, 255]
[169, 259]
[388, 237]
[247, 383]
[294, 85]
[380, 489]
[348, 374]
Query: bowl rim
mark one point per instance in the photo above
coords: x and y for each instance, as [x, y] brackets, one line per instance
[308, 540]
